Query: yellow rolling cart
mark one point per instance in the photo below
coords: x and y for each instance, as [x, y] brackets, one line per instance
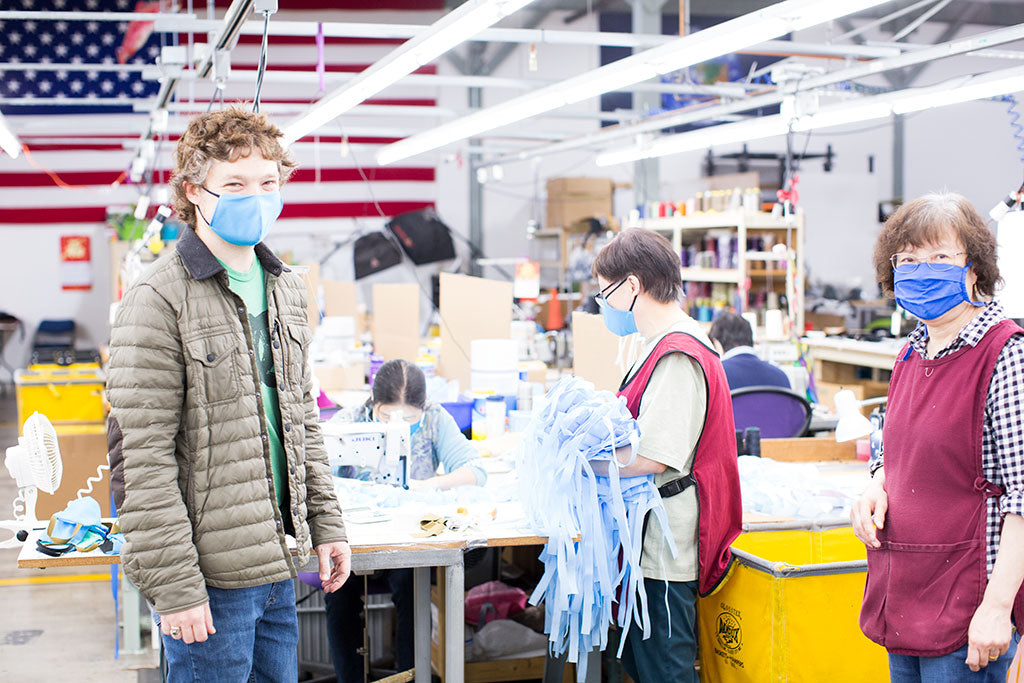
[789, 611]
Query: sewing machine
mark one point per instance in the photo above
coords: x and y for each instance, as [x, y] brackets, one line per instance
[382, 449]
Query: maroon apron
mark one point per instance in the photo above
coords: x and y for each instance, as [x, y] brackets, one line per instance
[927, 579]
[715, 472]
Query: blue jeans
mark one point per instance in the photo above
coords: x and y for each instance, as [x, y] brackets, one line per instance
[949, 668]
[256, 640]
[665, 658]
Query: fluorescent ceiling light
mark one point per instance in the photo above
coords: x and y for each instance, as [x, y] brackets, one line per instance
[958, 90]
[841, 114]
[980, 87]
[454, 28]
[752, 129]
[8, 140]
[727, 37]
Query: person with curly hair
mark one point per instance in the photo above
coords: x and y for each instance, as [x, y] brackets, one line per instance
[218, 465]
[943, 517]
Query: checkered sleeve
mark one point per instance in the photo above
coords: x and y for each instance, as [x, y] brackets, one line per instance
[1005, 417]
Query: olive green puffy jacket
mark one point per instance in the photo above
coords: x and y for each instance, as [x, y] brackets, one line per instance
[189, 456]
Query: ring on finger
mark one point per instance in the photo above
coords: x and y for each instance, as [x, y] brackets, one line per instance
[993, 657]
[175, 632]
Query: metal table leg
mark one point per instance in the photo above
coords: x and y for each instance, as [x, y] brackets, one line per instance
[130, 619]
[422, 622]
[455, 610]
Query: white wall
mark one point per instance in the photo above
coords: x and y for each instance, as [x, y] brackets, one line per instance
[30, 285]
[966, 148]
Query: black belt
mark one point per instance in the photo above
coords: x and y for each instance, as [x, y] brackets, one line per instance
[676, 486]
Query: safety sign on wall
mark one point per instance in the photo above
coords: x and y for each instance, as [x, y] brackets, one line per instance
[75, 263]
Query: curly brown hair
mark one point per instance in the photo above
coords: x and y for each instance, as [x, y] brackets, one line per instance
[927, 220]
[225, 135]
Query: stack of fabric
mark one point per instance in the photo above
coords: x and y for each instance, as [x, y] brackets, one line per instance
[594, 523]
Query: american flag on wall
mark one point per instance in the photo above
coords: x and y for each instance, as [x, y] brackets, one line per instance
[82, 123]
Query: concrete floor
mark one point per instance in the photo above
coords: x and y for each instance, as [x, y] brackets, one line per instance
[55, 630]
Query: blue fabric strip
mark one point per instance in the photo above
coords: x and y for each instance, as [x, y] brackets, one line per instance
[564, 499]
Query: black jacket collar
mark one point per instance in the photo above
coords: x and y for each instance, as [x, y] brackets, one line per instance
[202, 264]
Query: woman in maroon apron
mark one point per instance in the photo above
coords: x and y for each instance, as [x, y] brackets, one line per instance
[942, 515]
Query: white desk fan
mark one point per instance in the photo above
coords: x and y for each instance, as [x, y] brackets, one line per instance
[35, 464]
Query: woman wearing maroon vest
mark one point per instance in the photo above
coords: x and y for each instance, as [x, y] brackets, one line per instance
[679, 396]
[942, 519]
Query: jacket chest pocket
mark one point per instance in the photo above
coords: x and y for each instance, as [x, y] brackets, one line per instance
[215, 367]
[297, 341]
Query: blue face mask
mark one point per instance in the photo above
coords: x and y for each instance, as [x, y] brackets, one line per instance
[928, 294]
[619, 322]
[413, 427]
[244, 220]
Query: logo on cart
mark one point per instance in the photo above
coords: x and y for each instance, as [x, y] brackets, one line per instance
[729, 633]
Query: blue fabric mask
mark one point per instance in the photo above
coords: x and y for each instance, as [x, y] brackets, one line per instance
[415, 426]
[620, 322]
[244, 220]
[928, 294]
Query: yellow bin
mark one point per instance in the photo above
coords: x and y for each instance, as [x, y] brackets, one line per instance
[789, 612]
[66, 395]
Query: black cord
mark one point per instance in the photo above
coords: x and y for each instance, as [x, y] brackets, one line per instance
[394, 240]
[263, 63]
[213, 97]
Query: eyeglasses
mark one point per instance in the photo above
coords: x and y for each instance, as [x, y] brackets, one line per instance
[408, 418]
[601, 297]
[939, 261]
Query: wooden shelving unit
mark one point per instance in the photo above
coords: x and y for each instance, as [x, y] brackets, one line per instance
[683, 230]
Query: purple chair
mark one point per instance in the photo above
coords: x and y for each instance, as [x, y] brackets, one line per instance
[779, 413]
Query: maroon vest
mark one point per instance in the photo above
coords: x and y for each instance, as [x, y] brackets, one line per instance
[715, 473]
[927, 579]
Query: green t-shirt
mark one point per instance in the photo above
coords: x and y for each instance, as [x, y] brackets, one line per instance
[252, 289]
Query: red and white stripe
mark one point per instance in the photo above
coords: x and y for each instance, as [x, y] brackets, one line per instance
[91, 152]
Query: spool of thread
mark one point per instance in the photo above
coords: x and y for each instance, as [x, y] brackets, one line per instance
[495, 416]
[752, 439]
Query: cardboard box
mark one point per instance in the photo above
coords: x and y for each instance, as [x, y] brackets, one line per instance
[863, 389]
[83, 448]
[536, 371]
[341, 299]
[396, 321]
[339, 378]
[594, 352]
[471, 308]
[573, 199]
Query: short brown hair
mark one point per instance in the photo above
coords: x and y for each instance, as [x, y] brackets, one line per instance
[646, 254]
[926, 220]
[225, 135]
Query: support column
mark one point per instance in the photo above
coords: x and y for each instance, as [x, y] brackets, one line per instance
[898, 156]
[646, 173]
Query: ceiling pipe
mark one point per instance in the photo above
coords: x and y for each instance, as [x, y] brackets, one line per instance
[710, 111]
[502, 35]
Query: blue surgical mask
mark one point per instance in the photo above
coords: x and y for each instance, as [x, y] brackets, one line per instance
[619, 322]
[244, 220]
[415, 426]
[928, 294]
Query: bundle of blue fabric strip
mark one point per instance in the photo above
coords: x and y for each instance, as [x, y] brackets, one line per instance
[594, 523]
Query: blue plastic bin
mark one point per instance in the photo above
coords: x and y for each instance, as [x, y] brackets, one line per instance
[462, 411]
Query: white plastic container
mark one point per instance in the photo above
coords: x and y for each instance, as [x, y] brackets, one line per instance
[494, 366]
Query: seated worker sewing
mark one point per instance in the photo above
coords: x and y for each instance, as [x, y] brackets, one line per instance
[399, 394]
